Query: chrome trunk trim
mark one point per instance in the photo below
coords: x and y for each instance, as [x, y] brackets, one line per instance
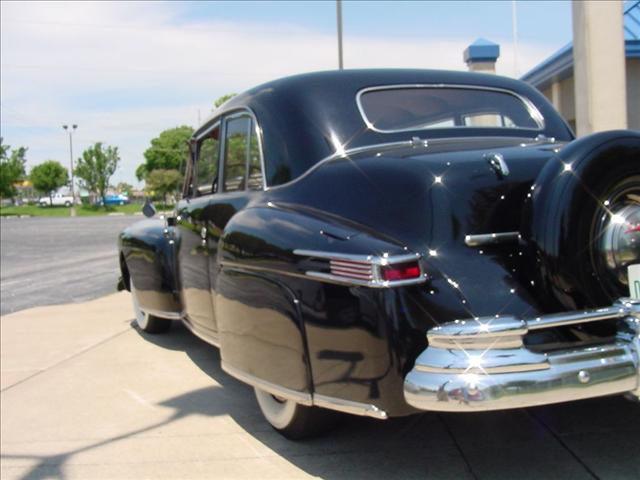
[484, 239]
[483, 364]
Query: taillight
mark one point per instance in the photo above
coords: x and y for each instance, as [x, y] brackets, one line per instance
[400, 271]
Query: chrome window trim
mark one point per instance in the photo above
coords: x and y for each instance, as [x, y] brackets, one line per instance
[222, 117]
[194, 173]
[529, 105]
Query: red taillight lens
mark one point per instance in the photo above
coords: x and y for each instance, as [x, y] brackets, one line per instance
[400, 271]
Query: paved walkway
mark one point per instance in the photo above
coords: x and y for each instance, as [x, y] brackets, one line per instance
[85, 395]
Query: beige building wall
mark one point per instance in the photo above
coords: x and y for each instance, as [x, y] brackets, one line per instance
[565, 103]
[599, 66]
[633, 93]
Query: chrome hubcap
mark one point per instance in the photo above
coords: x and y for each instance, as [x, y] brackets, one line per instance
[619, 244]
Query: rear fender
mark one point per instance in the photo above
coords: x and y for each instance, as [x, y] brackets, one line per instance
[269, 311]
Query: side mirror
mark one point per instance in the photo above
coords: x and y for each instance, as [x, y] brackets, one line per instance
[148, 209]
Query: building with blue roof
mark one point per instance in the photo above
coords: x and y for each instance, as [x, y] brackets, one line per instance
[555, 76]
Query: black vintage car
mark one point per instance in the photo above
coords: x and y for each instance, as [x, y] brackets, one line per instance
[382, 242]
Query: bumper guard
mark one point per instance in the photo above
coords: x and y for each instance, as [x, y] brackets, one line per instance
[482, 364]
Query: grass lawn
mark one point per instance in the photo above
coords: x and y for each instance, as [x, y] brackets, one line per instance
[84, 210]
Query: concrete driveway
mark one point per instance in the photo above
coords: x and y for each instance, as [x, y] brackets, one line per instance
[86, 395]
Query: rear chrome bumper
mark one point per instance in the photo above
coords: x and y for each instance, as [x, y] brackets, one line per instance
[482, 363]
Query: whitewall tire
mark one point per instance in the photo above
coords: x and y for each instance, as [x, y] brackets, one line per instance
[146, 322]
[293, 420]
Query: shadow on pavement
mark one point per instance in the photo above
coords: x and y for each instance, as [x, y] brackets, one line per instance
[585, 439]
[588, 439]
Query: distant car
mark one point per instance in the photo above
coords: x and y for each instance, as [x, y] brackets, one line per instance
[115, 200]
[385, 242]
[57, 200]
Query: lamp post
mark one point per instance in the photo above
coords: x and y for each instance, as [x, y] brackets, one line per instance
[73, 189]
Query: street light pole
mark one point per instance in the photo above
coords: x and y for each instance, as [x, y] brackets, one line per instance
[339, 19]
[73, 189]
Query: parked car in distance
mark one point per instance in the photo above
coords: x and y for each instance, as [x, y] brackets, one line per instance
[386, 242]
[57, 200]
[118, 199]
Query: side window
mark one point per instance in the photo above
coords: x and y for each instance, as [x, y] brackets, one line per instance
[208, 161]
[242, 161]
[236, 148]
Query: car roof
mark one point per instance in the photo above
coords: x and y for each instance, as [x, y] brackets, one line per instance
[303, 117]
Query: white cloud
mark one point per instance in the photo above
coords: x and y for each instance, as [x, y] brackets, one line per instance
[126, 71]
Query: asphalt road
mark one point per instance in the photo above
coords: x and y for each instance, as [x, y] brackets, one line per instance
[47, 261]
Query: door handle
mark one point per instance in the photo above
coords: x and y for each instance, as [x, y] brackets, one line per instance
[203, 236]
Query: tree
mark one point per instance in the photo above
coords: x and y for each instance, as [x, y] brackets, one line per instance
[168, 151]
[96, 166]
[162, 181]
[48, 177]
[124, 188]
[223, 99]
[11, 169]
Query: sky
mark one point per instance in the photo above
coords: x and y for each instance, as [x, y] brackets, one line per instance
[125, 71]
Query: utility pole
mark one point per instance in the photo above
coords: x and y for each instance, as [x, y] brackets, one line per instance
[339, 18]
[514, 26]
[73, 189]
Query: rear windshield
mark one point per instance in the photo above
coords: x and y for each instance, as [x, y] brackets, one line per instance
[417, 108]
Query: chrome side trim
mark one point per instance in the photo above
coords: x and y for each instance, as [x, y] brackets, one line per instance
[323, 401]
[272, 388]
[483, 364]
[327, 277]
[484, 239]
[375, 261]
[372, 259]
[531, 108]
[162, 314]
[347, 406]
[202, 337]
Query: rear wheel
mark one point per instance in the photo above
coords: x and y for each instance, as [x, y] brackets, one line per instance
[146, 322]
[615, 231]
[67, 204]
[293, 420]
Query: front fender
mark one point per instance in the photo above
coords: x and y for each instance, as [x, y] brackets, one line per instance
[148, 259]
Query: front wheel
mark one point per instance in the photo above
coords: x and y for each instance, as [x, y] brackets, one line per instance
[67, 204]
[293, 420]
[146, 322]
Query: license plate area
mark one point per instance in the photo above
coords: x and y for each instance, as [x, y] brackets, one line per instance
[634, 281]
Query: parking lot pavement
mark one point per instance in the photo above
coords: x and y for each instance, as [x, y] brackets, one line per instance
[47, 261]
[86, 395]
